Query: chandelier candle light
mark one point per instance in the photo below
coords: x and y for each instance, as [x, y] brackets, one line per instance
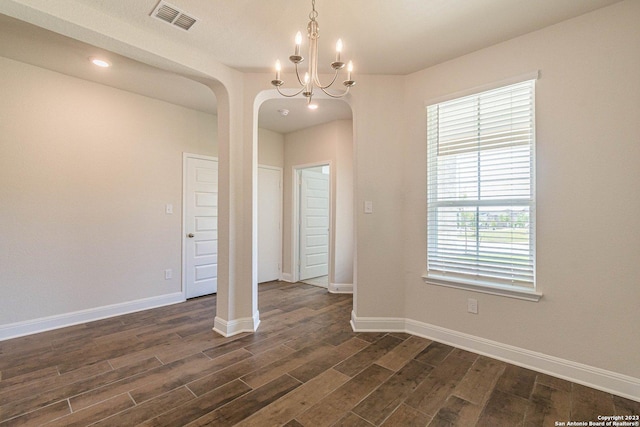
[311, 79]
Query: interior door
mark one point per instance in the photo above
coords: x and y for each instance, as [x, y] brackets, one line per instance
[269, 223]
[201, 227]
[314, 224]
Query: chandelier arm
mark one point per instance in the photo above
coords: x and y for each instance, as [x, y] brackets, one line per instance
[289, 96]
[324, 89]
[298, 77]
[318, 84]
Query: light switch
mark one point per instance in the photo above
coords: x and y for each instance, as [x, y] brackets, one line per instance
[169, 209]
[368, 206]
[472, 305]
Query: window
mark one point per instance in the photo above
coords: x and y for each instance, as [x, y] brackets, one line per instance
[480, 190]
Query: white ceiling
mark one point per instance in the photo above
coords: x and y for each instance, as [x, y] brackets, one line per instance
[380, 36]
[34, 45]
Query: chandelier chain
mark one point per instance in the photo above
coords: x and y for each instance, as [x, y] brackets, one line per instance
[313, 14]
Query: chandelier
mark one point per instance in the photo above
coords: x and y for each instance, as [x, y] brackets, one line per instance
[310, 81]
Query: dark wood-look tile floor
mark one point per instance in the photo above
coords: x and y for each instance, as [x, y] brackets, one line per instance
[303, 367]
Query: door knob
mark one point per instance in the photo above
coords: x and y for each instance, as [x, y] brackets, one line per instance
[190, 235]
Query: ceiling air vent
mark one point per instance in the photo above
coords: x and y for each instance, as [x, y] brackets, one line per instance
[172, 15]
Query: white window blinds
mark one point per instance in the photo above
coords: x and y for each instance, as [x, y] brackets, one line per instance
[480, 216]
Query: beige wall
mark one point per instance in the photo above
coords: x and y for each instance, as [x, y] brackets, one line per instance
[379, 128]
[329, 143]
[588, 187]
[344, 233]
[86, 172]
[270, 148]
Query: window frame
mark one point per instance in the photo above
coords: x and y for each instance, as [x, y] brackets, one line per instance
[529, 293]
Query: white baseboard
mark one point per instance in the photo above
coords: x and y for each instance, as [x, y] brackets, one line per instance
[229, 328]
[377, 324]
[19, 329]
[341, 288]
[287, 277]
[590, 376]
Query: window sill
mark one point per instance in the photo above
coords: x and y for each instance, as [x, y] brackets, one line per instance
[504, 291]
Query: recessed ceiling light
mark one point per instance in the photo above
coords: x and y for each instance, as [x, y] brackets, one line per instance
[100, 62]
[313, 106]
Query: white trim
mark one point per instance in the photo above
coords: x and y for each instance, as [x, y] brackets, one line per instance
[485, 288]
[590, 376]
[287, 277]
[186, 156]
[532, 75]
[341, 288]
[229, 328]
[275, 168]
[19, 329]
[377, 324]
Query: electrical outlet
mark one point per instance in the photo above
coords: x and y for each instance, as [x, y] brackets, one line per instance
[168, 274]
[472, 305]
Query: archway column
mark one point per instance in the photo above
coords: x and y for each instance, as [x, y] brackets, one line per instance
[237, 309]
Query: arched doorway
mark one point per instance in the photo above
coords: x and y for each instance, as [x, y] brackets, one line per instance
[310, 140]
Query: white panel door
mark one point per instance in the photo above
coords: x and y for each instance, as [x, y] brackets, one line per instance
[201, 227]
[269, 224]
[314, 224]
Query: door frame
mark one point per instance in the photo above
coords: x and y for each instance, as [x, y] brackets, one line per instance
[295, 218]
[183, 231]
